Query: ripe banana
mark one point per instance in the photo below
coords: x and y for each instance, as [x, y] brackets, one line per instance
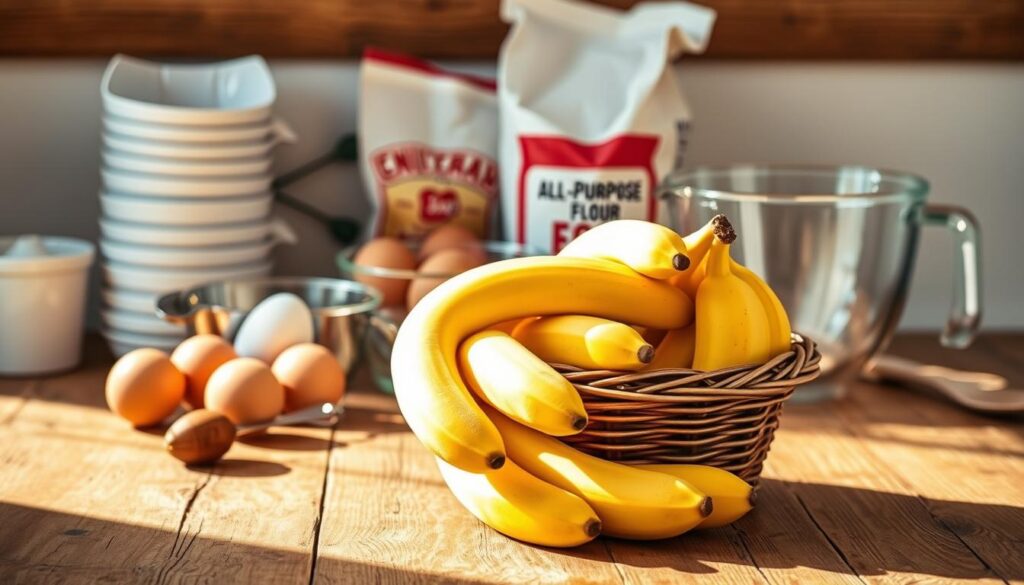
[432, 396]
[649, 248]
[778, 321]
[519, 505]
[675, 349]
[519, 384]
[732, 324]
[632, 503]
[505, 326]
[733, 496]
[585, 342]
[697, 246]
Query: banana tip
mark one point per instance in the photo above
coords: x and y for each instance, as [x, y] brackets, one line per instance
[680, 261]
[752, 498]
[579, 423]
[646, 353]
[723, 229]
[496, 461]
[707, 507]
[592, 527]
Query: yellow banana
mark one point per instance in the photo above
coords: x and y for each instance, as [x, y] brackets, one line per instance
[732, 324]
[778, 321]
[733, 496]
[519, 505]
[632, 503]
[697, 246]
[519, 384]
[586, 342]
[649, 248]
[675, 349]
[505, 326]
[432, 396]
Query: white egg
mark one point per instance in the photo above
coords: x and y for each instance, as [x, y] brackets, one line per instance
[277, 323]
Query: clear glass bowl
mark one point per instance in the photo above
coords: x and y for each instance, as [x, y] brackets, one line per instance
[379, 339]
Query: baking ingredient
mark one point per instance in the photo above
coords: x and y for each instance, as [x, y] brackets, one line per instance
[200, 436]
[197, 357]
[586, 342]
[649, 248]
[245, 391]
[569, 163]
[519, 384]
[310, 374]
[732, 324]
[144, 387]
[631, 503]
[733, 497]
[675, 349]
[386, 253]
[428, 146]
[449, 261]
[433, 398]
[698, 244]
[451, 236]
[275, 324]
[779, 331]
[519, 505]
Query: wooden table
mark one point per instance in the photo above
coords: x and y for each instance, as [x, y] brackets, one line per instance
[883, 486]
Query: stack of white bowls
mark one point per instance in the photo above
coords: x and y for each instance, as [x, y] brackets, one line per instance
[186, 186]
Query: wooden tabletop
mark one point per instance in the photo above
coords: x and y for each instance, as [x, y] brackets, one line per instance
[884, 486]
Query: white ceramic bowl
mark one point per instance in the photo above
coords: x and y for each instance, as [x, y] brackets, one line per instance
[198, 134]
[164, 256]
[158, 280]
[191, 151]
[129, 300]
[238, 91]
[146, 324]
[124, 161]
[172, 211]
[122, 342]
[171, 186]
[196, 236]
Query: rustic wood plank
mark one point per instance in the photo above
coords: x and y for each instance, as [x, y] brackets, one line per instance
[85, 498]
[966, 468]
[389, 518]
[747, 29]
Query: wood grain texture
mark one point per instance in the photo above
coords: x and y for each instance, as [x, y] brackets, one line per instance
[746, 29]
[887, 486]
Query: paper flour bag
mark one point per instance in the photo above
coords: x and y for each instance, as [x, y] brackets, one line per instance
[592, 116]
[428, 144]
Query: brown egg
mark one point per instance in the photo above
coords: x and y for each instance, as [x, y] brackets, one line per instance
[144, 387]
[245, 391]
[310, 375]
[449, 262]
[200, 436]
[197, 357]
[386, 253]
[450, 235]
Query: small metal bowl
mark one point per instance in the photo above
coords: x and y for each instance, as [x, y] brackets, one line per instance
[342, 309]
[387, 319]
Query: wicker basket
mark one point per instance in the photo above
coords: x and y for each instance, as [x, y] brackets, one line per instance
[725, 418]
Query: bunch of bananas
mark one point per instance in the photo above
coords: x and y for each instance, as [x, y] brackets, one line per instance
[471, 374]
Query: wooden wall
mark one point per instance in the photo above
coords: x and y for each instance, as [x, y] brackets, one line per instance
[747, 29]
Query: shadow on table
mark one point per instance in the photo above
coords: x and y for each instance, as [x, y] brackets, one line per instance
[38, 546]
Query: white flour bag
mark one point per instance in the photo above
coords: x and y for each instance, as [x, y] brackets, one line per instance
[428, 141]
[592, 116]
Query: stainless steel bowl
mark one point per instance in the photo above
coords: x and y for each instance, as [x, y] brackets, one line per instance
[342, 309]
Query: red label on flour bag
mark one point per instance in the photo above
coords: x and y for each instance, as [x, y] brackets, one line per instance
[582, 185]
[592, 116]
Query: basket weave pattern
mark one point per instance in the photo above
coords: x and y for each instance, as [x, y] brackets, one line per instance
[724, 418]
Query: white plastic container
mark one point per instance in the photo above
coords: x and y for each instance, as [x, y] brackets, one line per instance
[43, 284]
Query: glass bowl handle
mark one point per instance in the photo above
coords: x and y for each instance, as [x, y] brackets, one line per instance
[965, 312]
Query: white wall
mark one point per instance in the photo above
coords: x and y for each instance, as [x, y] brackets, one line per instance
[959, 125]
